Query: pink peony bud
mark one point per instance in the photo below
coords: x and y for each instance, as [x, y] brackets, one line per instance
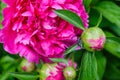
[93, 39]
[27, 66]
[70, 63]
[51, 72]
[69, 73]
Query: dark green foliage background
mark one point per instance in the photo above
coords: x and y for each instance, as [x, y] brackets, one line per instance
[108, 60]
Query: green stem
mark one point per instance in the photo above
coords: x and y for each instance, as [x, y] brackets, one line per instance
[93, 52]
[73, 57]
[99, 20]
[88, 11]
[41, 62]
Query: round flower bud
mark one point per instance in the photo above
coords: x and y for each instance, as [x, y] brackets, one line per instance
[93, 39]
[51, 72]
[69, 73]
[27, 66]
[70, 63]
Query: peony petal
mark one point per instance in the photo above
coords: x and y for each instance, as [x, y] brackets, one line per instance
[9, 42]
[46, 25]
[68, 32]
[28, 53]
[27, 13]
[60, 1]
[72, 7]
[1, 36]
[56, 6]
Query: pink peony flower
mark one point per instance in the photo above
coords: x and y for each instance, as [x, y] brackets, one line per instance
[32, 30]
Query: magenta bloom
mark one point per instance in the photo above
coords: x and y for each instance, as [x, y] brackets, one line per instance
[32, 30]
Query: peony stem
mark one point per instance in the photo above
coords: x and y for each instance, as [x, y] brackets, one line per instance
[41, 62]
[99, 20]
[73, 57]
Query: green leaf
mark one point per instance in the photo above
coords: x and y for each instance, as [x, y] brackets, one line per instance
[115, 29]
[93, 17]
[71, 49]
[112, 45]
[0, 18]
[115, 39]
[6, 59]
[6, 62]
[24, 76]
[109, 34]
[8, 67]
[77, 55]
[113, 68]
[2, 5]
[5, 75]
[87, 4]
[101, 64]
[88, 69]
[59, 60]
[70, 17]
[110, 11]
